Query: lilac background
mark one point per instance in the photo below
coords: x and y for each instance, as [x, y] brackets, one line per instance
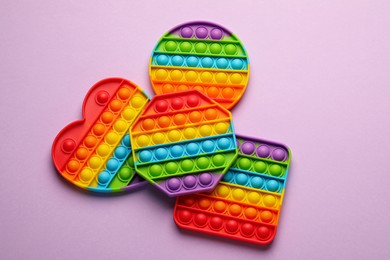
[320, 83]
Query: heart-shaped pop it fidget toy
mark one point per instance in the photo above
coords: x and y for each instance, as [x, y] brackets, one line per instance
[202, 56]
[95, 152]
[183, 142]
[246, 204]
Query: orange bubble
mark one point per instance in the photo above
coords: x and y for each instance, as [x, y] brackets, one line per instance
[167, 88]
[148, 124]
[107, 117]
[199, 88]
[195, 116]
[182, 88]
[90, 141]
[82, 153]
[211, 114]
[115, 105]
[124, 93]
[98, 129]
[228, 92]
[164, 121]
[179, 119]
[73, 165]
[212, 92]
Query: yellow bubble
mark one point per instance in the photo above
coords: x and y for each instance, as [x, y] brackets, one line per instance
[223, 191]
[120, 125]
[206, 76]
[128, 114]
[103, 150]
[112, 138]
[137, 101]
[158, 138]
[161, 74]
[86, 175]
[191, 75]
[143, 140]
[190, 133]
[174, 136]
[221, 128]
[221, 77]
[176, 75]
[95, 162]
[269, 200]
[238, 194]
[205, 130]
[253, 197]
[236, 78]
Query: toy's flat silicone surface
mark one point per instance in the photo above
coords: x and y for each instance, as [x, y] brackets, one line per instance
[95, 152]
[246, 204]
[202, 56]
[183, 142]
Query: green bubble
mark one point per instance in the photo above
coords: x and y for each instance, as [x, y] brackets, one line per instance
[171, 167]
[200, 47]
[275, 170]
[230, 49]
[244, 163]
[215, 48]
[187, 165]
[185, 46]
[218, 160]
[130, 161]
[202, 163]
[260, 167]
[155, 170]
[125, 173]
[170, 46]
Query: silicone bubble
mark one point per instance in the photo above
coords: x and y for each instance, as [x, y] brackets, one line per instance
[183, 142]
[203, 56]
[95, 153]
[246, 203]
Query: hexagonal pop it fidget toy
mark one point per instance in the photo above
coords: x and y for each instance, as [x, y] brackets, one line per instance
[183, 142]
[95, 153]
[246, 204]
[202, 56]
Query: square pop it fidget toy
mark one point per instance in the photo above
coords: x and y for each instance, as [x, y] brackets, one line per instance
[183, 142]
[202, 56]
[246, 204]
[95, 153]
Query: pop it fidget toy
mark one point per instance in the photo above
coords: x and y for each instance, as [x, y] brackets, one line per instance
[183, 142]
[246, 204]
[202, 56]
[95, 153]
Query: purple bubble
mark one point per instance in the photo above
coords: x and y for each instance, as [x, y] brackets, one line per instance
[186, 32]
[174, 184]
[248, 147]
[201, 32]
[216, 34]
[205, 179]
[189, 181]
[279, 154]
[263, 151]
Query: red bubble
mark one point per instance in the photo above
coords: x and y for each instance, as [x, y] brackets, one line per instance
[247, 229]
[263, 232]
[231, 226]
[177, 103]
[200, 219]
[161, 106]
[193, 101]
[68, 145]
[185, 216]
[102, 97]
[216, 223]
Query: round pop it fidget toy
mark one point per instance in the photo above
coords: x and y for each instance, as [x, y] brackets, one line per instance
[95, 153]
[246, 204]
[183, 142]
[202, 56]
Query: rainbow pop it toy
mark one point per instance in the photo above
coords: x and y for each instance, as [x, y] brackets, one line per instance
[202, 56]
[246, 204]
[95, 153]
[183, 142]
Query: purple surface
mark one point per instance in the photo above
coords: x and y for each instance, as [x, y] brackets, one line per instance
[319, 83]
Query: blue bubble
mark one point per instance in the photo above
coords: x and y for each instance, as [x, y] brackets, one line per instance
[272, 185]
[241, 179]
[257, 182]
[228, 176]
[162, 60]
[103, 177]
[207, 62]
[192, 61]
[177, 151]
[236, 64]
[223, 143]
[145, 156]
[161, 153]
[177, 60]
[126, 140]
[222, 63]
[208, 146]
[120, 152]
[112, 164]
[192, 148]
